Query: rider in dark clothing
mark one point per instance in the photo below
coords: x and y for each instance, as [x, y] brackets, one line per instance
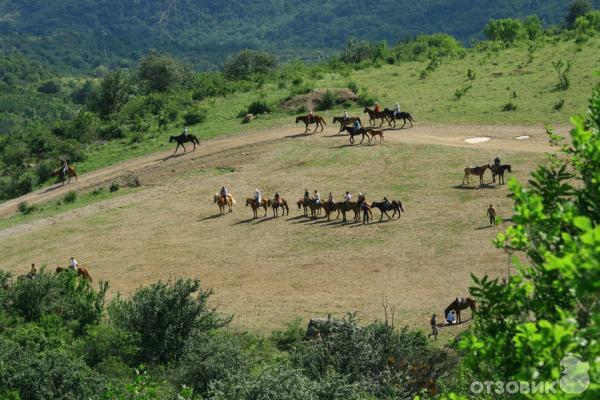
[276, 198]
[386, 201]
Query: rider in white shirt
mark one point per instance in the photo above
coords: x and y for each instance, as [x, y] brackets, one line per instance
[347, 196]
[317, 197]
[346, 116]
[397, 109]
[73, 263]
[257, 196]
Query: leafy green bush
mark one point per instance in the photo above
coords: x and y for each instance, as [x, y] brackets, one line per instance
[25, 208]
[510, 106]
[49, 87]
[160, 73]
[558, 105]
[327, 102]
[248, 64]
[292, 335]
[259, 107]
[507, 31]
[104, 341]
[352, 85]
[562, 69]
[70, 197]
[45, 169]
[114, 186]
[164, 315]
[365, 100]
[195, 116]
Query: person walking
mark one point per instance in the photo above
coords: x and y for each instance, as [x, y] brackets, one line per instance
[434, 329]
[491, 213]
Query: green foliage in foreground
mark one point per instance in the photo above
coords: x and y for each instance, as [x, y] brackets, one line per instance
[549, 308]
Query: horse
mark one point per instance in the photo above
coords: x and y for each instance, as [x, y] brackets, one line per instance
[310, 204]
[479, 171]
[346, 121]
[255, 206]
[82, 272]
[184, 138]
[330, 207]
[376, 115]
[314, 120]
[61, 175]
[285, 210]
[373, 133]
[353, 132]
[222, 203]
[384, 207]
[391, 114]
[460, 304]
[499, 171]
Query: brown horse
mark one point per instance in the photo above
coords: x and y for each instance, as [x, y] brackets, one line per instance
[499, 170]
[309, 204]
[354, 132]
[460, 304]
[374, 133]
[223, 203]
[346, 121]
[82, 272]
[314, 120]
[394, 205]
[376, 115]
[281, 203]
[478, 171]
[264, 202]
[61, 175]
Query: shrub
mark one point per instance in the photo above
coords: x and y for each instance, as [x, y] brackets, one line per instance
[292, 335]
[248, 64]
[24, 208]
[209, 358]
[577, 8]
[459, 93]
[114, 186]
[195, 116]
[104, 341]
[45, 169]
[353, 86]
[471, 75]
[558, 105]
[510, 106]
[327, 101]
[508, 31]
[164, 315]
[49, 87]
[258, 107]
[112, 93]
[365, 100]
[562, 70]
[70, 197]
[161, 73]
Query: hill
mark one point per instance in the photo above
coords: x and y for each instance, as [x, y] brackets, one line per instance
[85, 34]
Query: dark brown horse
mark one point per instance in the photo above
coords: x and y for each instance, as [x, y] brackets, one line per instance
[353, 132]
[499, 170]
[373, 116]
[346, 121]
[315, 119]
[375, 133]
[391, 114]
[61, 175]
[394, 205]
[82, 272]
[280, 203]
[310, 204]
[460, 304]
[478, 171]
[223, 203]
[184, 138]
[255, 206]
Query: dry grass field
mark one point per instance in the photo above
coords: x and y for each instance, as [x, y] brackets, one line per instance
[269, 271]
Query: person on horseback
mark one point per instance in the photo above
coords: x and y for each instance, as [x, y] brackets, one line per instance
[73, 264]
[185, 131]
[386, 201]
[377, 108]
[330, 198]
[360, 199]
[65, 166]
[317, 197]
[497, 161]
[33, 272]
[346, 116]
[397, 110]
[257, 196]
[277, 198]
[356, 125]
[224, 193]
[306, 195]
[310, 115]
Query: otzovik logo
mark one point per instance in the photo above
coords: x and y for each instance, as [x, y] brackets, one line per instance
[575, 378]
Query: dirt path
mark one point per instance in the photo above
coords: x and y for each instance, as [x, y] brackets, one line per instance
[502, 138]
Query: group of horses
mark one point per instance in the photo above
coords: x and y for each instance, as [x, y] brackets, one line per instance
[497, 170]
[314, 208]
[387, 115]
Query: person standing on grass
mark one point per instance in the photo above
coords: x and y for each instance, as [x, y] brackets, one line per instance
[491, 213]
[434, 329]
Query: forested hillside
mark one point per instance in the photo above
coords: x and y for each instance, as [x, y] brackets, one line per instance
[84, 34]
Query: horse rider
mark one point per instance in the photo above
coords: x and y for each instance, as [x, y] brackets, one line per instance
[65, 166]
[377, 108]
[360, 198]
[397, 110]
[224, 193]
[257, 196]
[277, 198]
[306, 195]
[73, 263]
[347, 199]
[330, 198]
[317, 197]
[310, 115]
[346, 116]
[356, 125]
[386, 202]
[497, 161]
[185, 131]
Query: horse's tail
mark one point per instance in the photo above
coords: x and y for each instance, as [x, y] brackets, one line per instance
[196, 140]
[323, 120]
[410, 117]
[232, 199]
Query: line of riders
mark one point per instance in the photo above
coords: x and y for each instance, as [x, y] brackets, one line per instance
[314, 204]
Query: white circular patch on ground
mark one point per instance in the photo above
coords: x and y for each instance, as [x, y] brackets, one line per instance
[525, 137]
[479, 139]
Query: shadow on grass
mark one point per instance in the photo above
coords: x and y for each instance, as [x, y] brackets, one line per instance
[211, 217]
[174, 155]
[299, 135]
[484, 186]
[54, 187]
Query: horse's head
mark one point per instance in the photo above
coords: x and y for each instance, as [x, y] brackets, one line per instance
[400, 205]
[508, 168]
[299, 203]
[215, 198]
[298, 119]
[248, 202]
[366, 110]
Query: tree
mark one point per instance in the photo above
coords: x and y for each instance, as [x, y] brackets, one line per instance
[507, 31]
[247, 64]
[161, 73]
[577, 8]
[112, 93]
[527, 324]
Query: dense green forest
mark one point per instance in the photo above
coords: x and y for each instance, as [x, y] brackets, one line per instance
[85, 34]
